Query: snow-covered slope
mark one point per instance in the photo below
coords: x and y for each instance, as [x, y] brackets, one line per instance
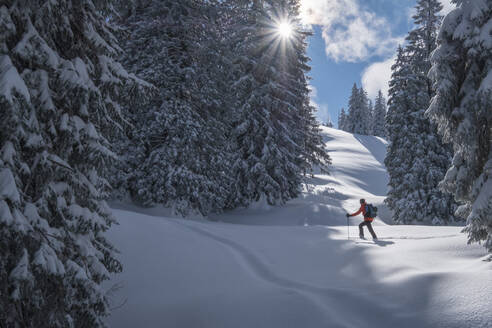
[293, 266]
[357, 172]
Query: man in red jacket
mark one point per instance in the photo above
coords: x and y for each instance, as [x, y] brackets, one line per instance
[367, 220]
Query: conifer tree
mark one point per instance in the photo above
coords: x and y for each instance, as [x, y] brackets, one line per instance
[398, 127]
[415, 196]
[179, 152]
[370, 118]
[462, 70]
[313, 153]
[342, 120]
[328, 124]
[365, 113]
[59, 86]
[275, 131]
[258, 132]
[358, 120]
[379, 120]
[353, 109]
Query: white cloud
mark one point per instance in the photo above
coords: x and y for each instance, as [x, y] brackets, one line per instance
[322, 112]
[376, 77]
[350, 32]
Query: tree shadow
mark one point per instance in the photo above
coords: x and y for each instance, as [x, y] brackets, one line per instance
[383, 243]
[376, 146]
[380, 243]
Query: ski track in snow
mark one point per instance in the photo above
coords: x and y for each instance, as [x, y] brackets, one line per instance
[419, 238]
[403, 238]
[335, 303]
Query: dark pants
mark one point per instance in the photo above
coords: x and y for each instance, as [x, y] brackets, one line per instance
[369, 227]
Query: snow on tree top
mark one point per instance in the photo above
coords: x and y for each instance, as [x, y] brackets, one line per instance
[5, 215]
[8, 189]
[33, 46]
[47, 259]
[7, 153]
[11, 80]
[21, 271]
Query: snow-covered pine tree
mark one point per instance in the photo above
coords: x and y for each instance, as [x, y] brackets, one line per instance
[328, 124]
[256, 130]
[370, 117]
[59, 83]
[422, 41]
[353, 109]
[415, 196]
[342, 120]
[275, 131]
[379, 119]
[462, 75]
[366, 113]
[179, 152]
[358, 120]
[398, 127]
[313, 153]
[297, 94]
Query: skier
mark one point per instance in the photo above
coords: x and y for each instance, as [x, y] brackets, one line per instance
[367, 220]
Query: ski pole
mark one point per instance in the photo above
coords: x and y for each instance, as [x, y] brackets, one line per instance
[348, 229]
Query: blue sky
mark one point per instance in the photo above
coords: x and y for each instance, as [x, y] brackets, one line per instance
[353, 41]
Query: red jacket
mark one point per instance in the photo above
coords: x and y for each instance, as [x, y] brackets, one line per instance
[362, 210]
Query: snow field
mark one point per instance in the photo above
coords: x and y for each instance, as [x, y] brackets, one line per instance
[293, 266]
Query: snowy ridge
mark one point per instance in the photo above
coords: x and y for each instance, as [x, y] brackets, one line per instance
[293, 266]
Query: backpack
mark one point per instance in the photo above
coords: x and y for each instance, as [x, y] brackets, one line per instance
[371, 211]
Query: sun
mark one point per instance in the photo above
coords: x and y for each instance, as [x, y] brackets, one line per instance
[284, 29]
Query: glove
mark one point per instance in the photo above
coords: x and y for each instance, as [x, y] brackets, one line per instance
[347, 215]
